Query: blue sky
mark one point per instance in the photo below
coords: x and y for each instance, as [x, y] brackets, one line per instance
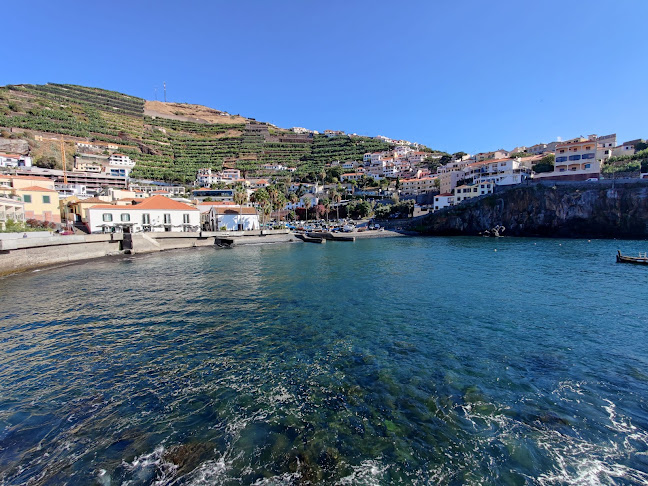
[469, 75]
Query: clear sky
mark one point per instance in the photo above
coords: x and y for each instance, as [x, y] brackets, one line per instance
[469, 75]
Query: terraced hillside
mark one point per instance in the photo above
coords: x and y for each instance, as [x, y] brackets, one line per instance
[168, 141]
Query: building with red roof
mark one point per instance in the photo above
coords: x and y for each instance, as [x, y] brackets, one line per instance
[156, 213]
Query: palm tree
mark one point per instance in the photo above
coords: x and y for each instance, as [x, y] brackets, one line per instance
[267, 209]
[354, 184]
[326, 202]
[272, 195]
[240, 198]
[337, 198]
[307, 205]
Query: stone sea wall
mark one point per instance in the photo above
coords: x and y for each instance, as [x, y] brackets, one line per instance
[21, 254]
[573, 211]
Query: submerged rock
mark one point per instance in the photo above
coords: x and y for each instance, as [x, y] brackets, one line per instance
[188, 457]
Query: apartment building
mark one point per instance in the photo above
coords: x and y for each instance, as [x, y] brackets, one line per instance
[469, 191]
[413, 187]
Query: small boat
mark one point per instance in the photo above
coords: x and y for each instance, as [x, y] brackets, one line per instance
[642, 259]
[310, 239]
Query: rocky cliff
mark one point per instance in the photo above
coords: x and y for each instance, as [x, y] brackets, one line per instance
[591, 210]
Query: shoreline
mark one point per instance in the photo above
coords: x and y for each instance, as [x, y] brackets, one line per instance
[54, 252]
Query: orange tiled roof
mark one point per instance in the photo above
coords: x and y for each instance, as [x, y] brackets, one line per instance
[152, 203]
[35, 189]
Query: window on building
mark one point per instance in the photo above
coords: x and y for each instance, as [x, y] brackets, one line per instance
[574, 157]
[167, 218]
[125, 217]
[561, 159]
[587, 166]
[107, 217]
[185, 218]
[46, 199]
[588, 156]
[146, 218]
[26, 198]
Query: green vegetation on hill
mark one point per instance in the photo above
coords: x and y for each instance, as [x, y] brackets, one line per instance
[163, 148]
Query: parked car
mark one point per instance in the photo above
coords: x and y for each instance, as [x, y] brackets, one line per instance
[592, 179]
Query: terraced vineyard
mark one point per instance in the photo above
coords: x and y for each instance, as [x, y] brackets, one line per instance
[164, 148]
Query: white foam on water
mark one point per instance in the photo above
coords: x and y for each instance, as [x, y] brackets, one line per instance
[286, 478]
[103, 477]
[369, 472]
[214, 471]
[151, 466]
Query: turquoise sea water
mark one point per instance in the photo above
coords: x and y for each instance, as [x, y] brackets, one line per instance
[409, 361]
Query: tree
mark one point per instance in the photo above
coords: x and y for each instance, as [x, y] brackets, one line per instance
[437, 184]
[307, 205]
[545, 164]
[45, 162]
[640, 146]
[293, 198]
[336, 197]
[240, 198]
[459, 155]
[445, 159]
[327, 206]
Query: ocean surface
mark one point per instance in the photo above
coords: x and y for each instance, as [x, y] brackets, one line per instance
[388, 361]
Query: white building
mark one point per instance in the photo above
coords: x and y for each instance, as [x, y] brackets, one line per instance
[11, 210]
[469, 191]
[156, 213]
[443, 201]
[502, 172]
[119, 165]
[402, 150]
[15, 160]
[232, 218]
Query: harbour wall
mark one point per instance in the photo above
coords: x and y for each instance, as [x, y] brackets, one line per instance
[21, 254]
[585, 210]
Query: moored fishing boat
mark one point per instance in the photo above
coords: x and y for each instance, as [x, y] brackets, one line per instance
[642, 259]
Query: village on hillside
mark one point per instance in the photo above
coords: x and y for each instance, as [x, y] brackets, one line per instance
[99, 195]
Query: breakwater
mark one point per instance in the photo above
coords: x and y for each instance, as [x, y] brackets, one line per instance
[572, 211]
[18, 255]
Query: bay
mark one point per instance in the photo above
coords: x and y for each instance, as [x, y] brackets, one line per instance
[410, 360]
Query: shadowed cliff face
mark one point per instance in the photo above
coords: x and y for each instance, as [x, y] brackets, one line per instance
[563, 211]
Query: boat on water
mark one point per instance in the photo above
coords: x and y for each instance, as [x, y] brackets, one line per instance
[310, 239]
[642, 259]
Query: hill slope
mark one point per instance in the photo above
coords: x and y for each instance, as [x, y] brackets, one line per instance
[168, 141]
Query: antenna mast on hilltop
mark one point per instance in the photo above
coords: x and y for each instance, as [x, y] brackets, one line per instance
[165, 91]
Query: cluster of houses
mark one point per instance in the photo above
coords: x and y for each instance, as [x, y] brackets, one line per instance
[117, 209]
[98, 195]
[578, 159]
[403, 163]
